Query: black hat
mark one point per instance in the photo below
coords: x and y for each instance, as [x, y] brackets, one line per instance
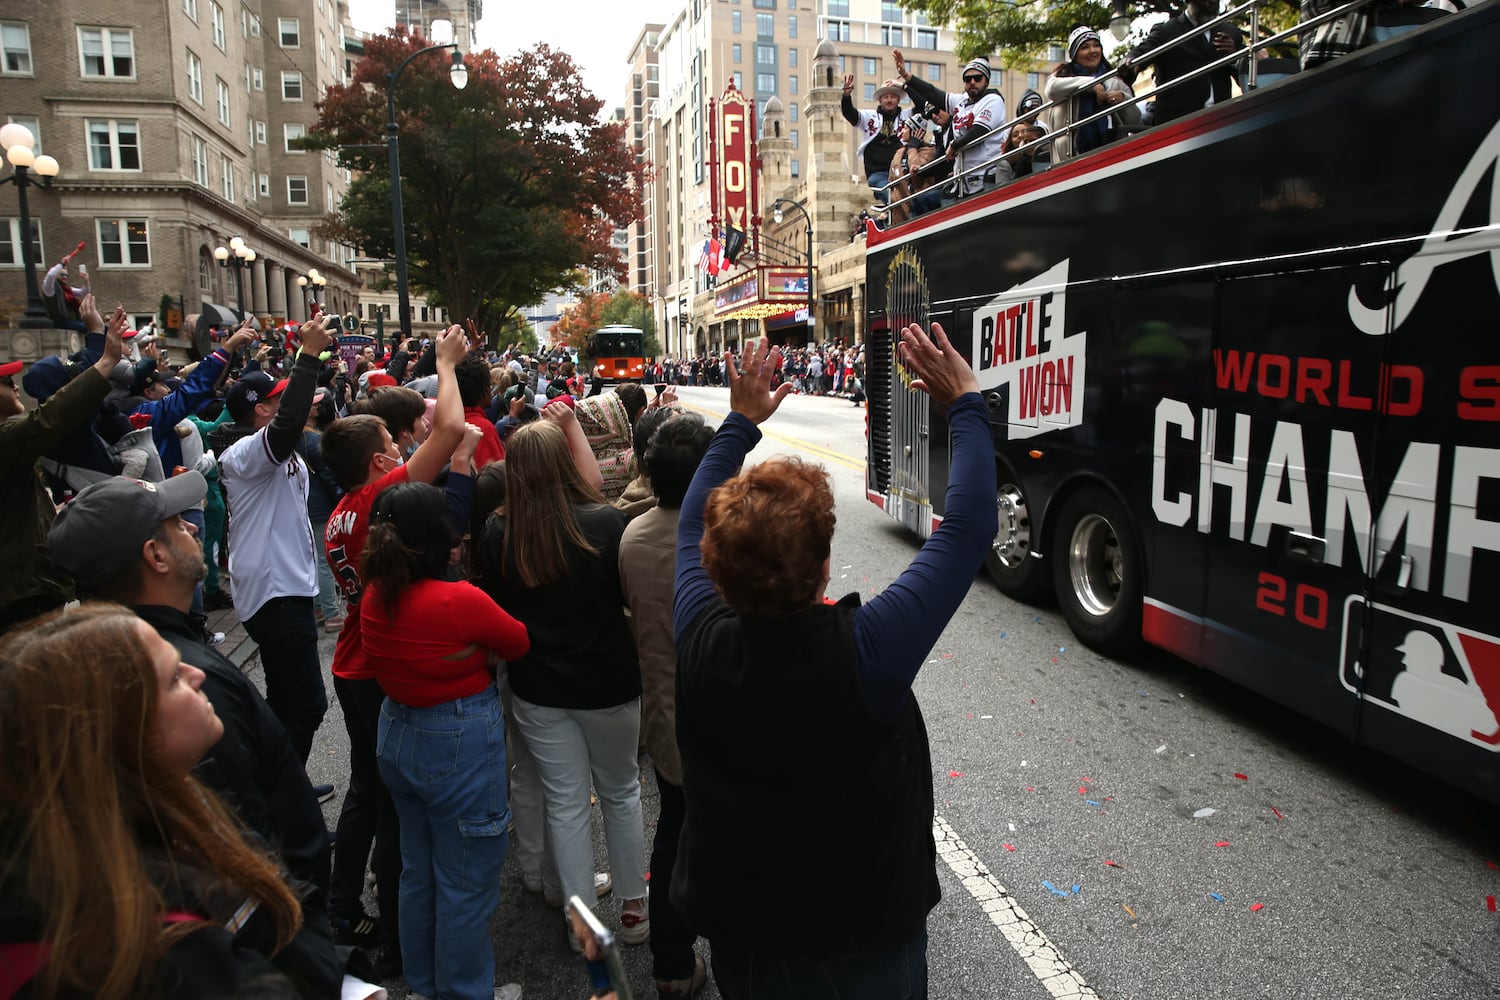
[253, 387]
[101, 531]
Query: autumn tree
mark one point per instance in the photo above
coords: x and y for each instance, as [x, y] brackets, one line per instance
[579, 321]
[1020, 32]
[509, 185]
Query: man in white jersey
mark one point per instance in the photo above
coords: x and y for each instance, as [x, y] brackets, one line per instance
[978, 121]
[272, 552]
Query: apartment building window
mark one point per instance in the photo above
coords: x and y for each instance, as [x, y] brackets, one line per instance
[226, 178]
[734, 53]
[254, 26]
[258, 78]
[796, 168]
[190, 8]
[301, 237]
[113, 145]
[10, 247]
[194, 77]
[734, 21]
[765, 55]
[328, 202]
[765, 25]
[263, 185]
[892, 36]
[223, 103]
[216, 18]
[738, 79]
[34, 124]
[249, 132]
[260, 133]
[926, 38]
[791, 58]
[15, 38]
[890, 11]
[765, 84]
[793, 109]
[205, 271]
[871, 66]
[869, 92]
[796, 137]
[838, 31]
[1033, 80]
[291, 86]
[290, 134]
[107, 53]
[247, 78]
[935, 72]
[290, 30]
[296, 190]
[200, 160]
[791, 85]
[764, 4]
[791, 26]
[123, 242]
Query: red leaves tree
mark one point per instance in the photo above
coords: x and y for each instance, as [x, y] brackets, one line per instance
[510, 186]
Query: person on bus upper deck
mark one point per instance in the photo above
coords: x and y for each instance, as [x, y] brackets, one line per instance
[1073, 85]
[916, 152]
[1210, 45]
[878, 128]
[978, 121]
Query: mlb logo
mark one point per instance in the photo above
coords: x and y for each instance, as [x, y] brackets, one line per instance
[1436, 673]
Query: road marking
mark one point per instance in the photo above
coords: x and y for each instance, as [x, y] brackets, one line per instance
[1030, 943]
[857, 464]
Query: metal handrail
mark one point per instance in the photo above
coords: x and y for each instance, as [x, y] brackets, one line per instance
[1253, 6]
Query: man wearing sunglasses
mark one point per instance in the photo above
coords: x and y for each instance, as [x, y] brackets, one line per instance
[978, 122]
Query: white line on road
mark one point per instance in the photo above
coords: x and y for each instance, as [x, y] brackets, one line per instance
[1035, 948]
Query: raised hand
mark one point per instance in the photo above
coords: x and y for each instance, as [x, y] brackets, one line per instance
[114, 341]
[463, 454]
[88, 311]
[942, 372]
[240, 338]
[750, 392]
[452, 345]
[315, 335]
[477, 337]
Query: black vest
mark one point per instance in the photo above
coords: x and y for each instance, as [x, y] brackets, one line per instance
[795, 790]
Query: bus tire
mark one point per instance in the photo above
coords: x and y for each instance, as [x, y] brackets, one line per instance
[1097, 571]
[1009, 562]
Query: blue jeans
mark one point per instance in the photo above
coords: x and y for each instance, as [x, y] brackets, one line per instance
[893, 974]
[445, 768]
[878, 180]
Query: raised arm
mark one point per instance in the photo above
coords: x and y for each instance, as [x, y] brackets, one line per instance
[561, 414]
[450, 346]
[286, 427]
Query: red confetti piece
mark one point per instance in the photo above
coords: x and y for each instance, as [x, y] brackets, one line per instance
[955, 774]
[1221, 843]
[1030, 789]
[1277, 812]
[1114, 864]
[947, 656]
[1242, 777]
[1033, 701]
[1493, 866]
[1255, 907]
[1009, 847]
[1489, 902]
[1054, 659]
[968, 715]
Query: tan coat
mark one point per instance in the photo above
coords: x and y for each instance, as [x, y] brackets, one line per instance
[916, 157]
[648, 563]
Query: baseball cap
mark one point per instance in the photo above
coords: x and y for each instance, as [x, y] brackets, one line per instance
[378, 379]
[100, 533]
[252, 388]
[10, 368]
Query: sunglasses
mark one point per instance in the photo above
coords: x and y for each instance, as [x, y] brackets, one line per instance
[973, 79]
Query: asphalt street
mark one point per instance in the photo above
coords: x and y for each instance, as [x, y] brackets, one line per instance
[1108, 829]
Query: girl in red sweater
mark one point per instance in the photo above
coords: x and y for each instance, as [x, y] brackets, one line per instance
[441, 741]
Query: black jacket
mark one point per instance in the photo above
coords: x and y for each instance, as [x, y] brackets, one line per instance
[1188, 97]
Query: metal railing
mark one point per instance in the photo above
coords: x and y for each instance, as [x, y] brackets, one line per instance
[1248, 52]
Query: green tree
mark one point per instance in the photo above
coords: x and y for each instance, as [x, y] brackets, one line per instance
[1019, 32]
[509, 186]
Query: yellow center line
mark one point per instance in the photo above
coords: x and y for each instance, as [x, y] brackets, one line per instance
[857, 464]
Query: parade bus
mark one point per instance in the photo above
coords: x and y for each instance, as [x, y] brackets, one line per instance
[1243, 372]
[616, 354]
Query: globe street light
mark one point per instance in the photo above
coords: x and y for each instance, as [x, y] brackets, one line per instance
[777, 216]
[240, 257]
[19, 145]
[458, 73]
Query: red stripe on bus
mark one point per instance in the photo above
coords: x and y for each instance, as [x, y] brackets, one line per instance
[1172, 631]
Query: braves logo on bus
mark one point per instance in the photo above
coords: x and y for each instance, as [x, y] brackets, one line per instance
[1023, 348]
[1436, 673]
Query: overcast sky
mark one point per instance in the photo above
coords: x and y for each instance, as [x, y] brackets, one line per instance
[596, 33]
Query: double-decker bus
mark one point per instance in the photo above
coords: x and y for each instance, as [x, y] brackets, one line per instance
[616, 354]
[1243, 372]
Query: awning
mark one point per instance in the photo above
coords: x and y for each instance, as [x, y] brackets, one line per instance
[211, 315]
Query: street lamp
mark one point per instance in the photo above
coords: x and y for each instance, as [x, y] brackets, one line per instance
[318, 281]
[777, 216]
[19, 146]
[240, 257]
[1119, 24]
[459, 74]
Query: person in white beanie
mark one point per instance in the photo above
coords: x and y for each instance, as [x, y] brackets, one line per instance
[978, 122]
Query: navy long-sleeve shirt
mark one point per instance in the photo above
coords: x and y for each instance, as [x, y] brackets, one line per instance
[895, 631]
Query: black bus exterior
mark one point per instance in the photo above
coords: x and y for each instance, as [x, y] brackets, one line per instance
[1244, 378]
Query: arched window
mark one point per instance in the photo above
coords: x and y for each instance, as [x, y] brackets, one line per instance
[205, 270]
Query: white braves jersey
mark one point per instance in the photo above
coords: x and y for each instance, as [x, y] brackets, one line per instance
[271, 547]
[989, 112]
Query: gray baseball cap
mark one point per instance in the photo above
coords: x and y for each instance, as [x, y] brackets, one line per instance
[99, 534]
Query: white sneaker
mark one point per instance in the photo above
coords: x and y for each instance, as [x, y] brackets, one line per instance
[603, 884]
[215, 638]
[510, 991]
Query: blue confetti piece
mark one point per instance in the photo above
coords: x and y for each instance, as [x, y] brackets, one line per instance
[1077, 889]
[1091, 802]
[1002, 635]
[1216, 896]
[1062, 649]
[1053, 889]
[1037, 618]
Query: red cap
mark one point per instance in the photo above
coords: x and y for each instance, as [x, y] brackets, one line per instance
[378, 379]
[10, 368]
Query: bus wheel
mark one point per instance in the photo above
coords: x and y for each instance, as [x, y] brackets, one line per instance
[1096, 567]
[1009, 562]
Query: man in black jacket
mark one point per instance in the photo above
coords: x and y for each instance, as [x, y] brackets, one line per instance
[1209, 45]
[126, 541]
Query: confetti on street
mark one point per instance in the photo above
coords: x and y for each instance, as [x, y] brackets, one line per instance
[1216, 897]
[1257, 907]
[1205, 812]
[1128, 910]
[1115, 864]
[1221, 843]
[1242, 777]
[1092, 802]
[1009, 847]
[1054, 889]
[1277, 812]
[1489, 903]
[1160, 749]
[955, 774]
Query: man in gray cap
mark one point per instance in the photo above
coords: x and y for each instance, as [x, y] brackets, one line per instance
[125, 540]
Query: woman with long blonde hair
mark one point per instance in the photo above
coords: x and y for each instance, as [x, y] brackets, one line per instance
[551, 559]
[122, 875]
